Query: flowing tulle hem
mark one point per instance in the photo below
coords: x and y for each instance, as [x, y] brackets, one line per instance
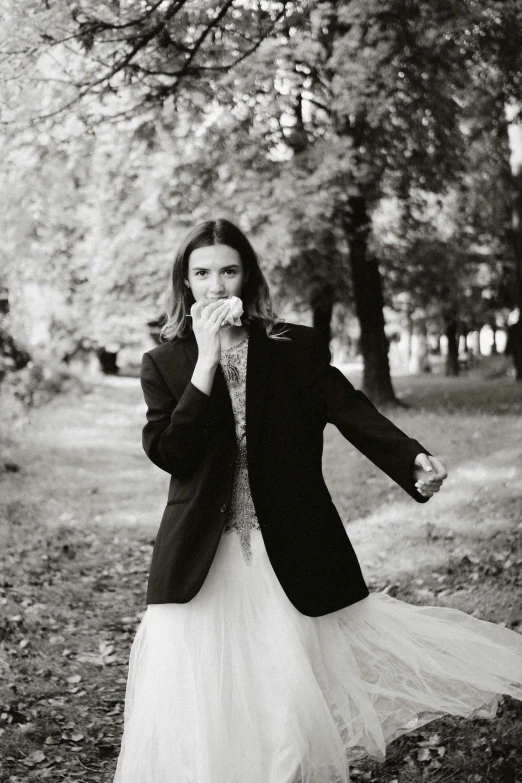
[486, 711]
[237, 685]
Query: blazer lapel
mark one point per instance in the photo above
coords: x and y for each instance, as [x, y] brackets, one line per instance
[258, 358]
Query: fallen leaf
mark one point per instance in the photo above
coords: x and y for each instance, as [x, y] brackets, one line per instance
[424, 754]
[36, 757]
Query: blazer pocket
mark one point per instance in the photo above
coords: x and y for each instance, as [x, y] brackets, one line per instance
[178, 500]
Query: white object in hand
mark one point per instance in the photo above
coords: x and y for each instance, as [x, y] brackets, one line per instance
[235, 311]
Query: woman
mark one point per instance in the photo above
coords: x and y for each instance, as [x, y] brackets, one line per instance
[262, 657]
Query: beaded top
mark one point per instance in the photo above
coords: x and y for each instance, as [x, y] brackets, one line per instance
[241, 515]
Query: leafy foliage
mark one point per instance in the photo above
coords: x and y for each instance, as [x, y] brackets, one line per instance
[276, 115]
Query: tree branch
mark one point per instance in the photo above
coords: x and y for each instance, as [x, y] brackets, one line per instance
[175, 7]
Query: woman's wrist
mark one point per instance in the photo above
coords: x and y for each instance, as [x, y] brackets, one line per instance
[203, 375]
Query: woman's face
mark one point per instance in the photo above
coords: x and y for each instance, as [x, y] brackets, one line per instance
[215, 272]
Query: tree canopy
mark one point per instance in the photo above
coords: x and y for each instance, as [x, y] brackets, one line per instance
[126, 123]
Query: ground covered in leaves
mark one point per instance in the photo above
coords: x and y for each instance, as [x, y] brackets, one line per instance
[79, 509]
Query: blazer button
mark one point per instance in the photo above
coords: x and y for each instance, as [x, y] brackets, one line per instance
[223, 508]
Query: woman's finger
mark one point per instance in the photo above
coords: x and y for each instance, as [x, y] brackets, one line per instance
[217, 314]
[210, 309]
[206, 308]
[428, 487]
[432, 483]
[442, 473]
[196, 308]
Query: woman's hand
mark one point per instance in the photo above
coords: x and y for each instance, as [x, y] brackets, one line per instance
[206, 323]
[429, 474]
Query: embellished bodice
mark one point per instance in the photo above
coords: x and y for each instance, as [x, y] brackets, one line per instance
[241, 515]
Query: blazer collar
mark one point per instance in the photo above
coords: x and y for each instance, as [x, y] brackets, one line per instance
[258, 359]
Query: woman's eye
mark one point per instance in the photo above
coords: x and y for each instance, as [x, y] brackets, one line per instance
[202, 272]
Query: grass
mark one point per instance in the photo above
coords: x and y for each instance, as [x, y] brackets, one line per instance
[79, 509]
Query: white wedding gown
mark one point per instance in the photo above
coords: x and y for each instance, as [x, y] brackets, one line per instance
[237, 686]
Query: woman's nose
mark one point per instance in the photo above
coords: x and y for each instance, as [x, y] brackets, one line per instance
[216, 287]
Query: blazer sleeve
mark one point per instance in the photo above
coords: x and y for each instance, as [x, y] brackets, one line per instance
[359, 421]
[176, 431]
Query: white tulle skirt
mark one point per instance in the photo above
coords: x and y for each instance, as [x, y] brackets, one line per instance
[237, 686]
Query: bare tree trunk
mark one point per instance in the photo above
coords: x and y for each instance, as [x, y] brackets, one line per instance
[493, 327]
[477, 349]
[514, 347]
[516, 234]
[452, 357]
[515, 331]
[419, 361]
[369, 303]
[409, 340]
[322, 304]
[108, 361]
[12, 356]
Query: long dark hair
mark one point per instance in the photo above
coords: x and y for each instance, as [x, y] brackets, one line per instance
[257, 301]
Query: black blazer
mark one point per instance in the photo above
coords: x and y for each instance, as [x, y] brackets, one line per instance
[292, 391]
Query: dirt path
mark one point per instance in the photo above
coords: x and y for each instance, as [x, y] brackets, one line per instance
[82, 457]
[78, 521]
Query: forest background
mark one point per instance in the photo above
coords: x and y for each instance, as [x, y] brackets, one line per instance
[372, 152]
